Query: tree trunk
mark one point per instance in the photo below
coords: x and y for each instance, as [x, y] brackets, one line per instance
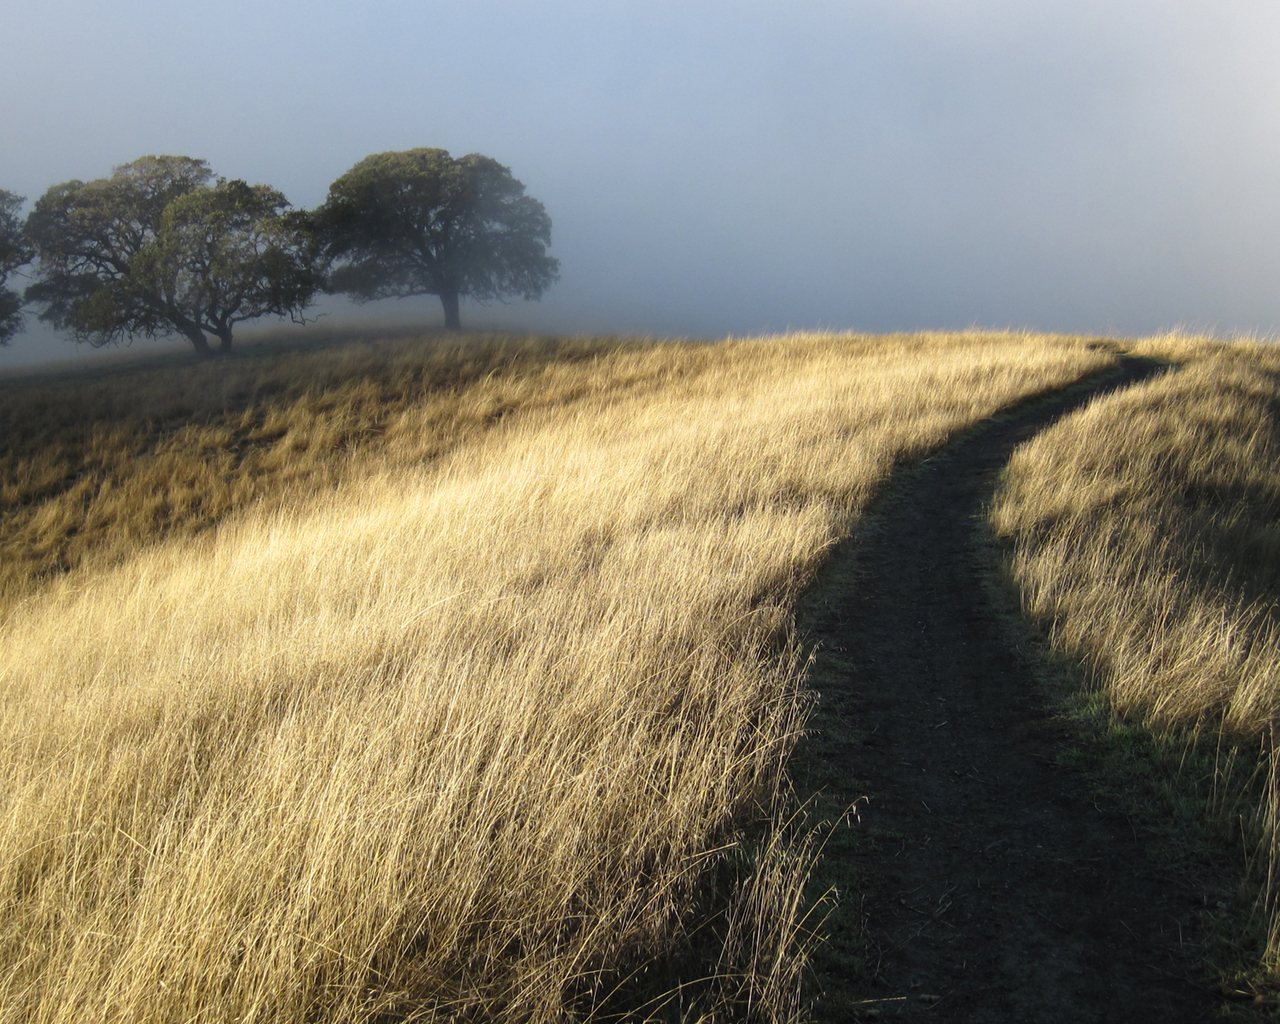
[197, 338]
[449, 299]
[224, 341]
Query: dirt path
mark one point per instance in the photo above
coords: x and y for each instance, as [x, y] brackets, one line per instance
[995, 889]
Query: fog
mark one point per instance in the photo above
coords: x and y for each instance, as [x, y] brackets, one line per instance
[714, 168]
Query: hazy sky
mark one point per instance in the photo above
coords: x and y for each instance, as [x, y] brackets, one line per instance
[716, 167]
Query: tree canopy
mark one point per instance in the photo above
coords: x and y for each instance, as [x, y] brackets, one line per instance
[419, 222]
[162, 248]
[14, 252]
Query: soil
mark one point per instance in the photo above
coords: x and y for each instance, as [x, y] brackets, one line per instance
[982, 878]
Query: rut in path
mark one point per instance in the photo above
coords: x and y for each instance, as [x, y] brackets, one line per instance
[999, 892]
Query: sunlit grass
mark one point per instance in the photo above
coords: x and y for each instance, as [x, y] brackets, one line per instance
[93, 465]
[494, 727]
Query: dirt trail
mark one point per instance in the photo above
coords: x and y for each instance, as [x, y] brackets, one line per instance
[998, 891]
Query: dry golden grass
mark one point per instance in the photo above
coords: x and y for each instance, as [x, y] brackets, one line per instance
[93, 466]
[1146, 532]
[497, 735]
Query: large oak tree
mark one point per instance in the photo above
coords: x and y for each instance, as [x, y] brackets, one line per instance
[14, 252]
[419, 222]
[162, 248]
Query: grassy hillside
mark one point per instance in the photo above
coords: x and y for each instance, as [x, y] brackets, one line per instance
[1146, 534]
[93, 466]
[434, 682]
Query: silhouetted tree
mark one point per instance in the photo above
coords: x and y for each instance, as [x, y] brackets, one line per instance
[14, 252]
[161, 248]
[419, 222]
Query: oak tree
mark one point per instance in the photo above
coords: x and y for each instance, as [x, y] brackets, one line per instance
[420, 222]
[162, 248]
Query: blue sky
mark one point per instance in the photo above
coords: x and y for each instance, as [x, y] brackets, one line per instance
[714, 167]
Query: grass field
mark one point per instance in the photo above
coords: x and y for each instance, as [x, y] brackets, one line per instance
[442, 680]
[95, 465]
[1146, 534]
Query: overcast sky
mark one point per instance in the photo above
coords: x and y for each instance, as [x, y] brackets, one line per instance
[730, 167]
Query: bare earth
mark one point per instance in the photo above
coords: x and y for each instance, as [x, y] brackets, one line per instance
[998, 890]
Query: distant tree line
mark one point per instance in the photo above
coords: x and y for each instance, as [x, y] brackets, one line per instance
[163, 247]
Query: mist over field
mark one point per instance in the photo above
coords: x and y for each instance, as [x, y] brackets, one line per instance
[729, 168]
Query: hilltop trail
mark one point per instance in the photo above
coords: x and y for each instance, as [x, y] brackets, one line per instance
[994, 889]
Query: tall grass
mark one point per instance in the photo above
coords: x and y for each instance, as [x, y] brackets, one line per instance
[1146, 533]
[92, 466]
[1148, 529]
[498, 735]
